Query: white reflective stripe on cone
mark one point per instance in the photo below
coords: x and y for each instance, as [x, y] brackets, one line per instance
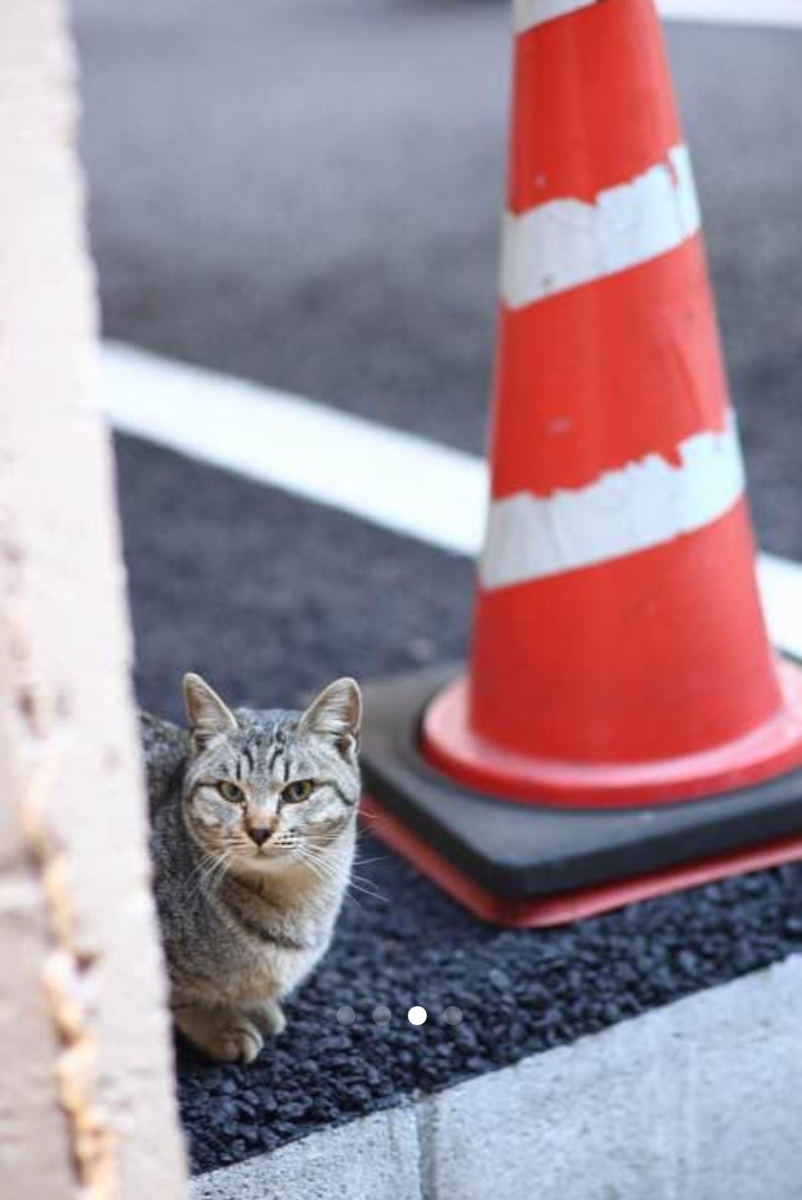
[645, 504]
[564, 243]
[526, 14]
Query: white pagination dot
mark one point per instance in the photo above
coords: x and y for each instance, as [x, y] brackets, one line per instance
[417, 1015]
[346, 1015]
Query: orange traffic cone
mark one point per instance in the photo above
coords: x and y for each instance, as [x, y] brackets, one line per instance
[620, 658]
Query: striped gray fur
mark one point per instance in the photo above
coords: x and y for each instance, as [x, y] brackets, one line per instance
[253, 827]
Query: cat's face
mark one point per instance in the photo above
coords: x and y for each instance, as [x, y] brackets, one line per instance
[264, 789]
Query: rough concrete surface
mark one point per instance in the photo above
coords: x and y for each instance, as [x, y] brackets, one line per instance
[698, 1100]
[695, 1101]
[86, 1100]
[375, 1158]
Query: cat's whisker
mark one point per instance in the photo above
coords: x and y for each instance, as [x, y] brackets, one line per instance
[315, 865]
[212, 878]
[325, 870]
[372, 822]
[312, 855]
[201, 874]
[364, 863]
[356, 883]
[359, 887]
[200, 866]
[325, 861]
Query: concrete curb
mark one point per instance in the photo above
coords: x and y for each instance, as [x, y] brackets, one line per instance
[699, 1100]
[375, 1158]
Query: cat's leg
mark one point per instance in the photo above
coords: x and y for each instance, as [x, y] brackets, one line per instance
[223, 1033]
[269, 1017]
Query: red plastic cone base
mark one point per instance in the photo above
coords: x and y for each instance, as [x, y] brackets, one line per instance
[570, 906]
[772, 749]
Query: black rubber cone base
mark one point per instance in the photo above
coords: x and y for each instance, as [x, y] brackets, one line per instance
[525, 864]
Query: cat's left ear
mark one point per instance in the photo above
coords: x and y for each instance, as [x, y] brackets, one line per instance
[336, 713]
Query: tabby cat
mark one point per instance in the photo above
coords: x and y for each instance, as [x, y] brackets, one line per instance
[253, 825]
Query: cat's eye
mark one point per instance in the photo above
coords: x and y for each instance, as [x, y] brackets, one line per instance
[299, 789]
[230, 791]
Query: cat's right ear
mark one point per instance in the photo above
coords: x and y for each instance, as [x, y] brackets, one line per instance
[206, 712]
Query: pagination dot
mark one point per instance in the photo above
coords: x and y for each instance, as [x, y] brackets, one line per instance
[452, 1015]
[346, 1015]
[381, 1014]
[417, 1015]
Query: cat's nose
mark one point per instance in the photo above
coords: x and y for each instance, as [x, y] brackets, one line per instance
[259, 834]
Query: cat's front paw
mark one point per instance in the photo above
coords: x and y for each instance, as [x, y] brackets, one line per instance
[270, 1018]
[223, 1034]
[240, 1043]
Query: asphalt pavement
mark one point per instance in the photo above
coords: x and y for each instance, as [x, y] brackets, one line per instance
[308, 193]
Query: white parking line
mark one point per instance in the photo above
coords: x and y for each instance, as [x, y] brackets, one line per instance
[734, 12]
[396, 480]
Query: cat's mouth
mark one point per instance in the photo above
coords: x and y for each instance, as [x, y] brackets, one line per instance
[270, 853]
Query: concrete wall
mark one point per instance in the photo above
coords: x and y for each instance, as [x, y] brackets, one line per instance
[699, 1100]
[86, 1101]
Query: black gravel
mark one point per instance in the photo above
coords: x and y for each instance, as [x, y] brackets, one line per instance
[272, 597]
